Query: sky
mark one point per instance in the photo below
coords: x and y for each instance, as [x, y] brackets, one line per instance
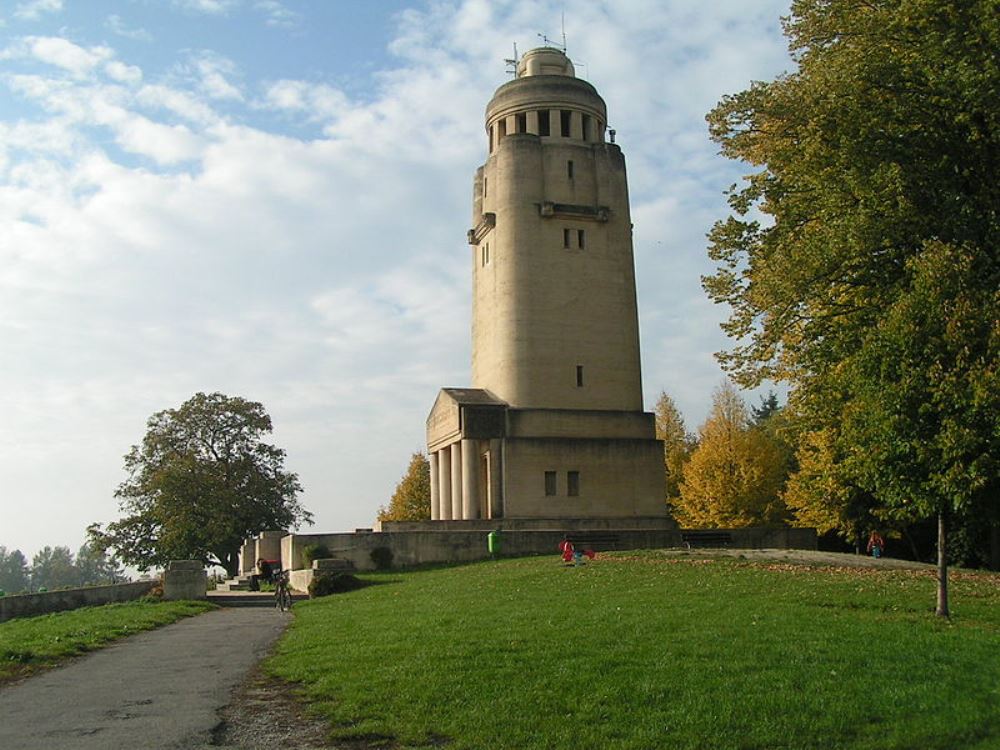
[270, 199]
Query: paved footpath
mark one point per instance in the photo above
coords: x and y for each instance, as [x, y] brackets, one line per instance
[160, 689]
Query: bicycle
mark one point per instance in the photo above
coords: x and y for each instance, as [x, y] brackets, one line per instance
[282, 596]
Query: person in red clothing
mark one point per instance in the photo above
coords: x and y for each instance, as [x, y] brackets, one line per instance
[566, 549]
[570, 554]
[876, 544]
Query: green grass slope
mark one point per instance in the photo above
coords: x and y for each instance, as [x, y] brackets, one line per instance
[647, 650]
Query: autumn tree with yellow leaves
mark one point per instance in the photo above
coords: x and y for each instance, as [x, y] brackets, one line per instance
[735, 475]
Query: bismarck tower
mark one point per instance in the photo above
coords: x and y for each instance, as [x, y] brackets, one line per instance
[553, 426]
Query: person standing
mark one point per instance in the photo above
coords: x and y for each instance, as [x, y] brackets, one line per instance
[876, 544]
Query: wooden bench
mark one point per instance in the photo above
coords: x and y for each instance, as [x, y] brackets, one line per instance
[706, 538]
[597, 541]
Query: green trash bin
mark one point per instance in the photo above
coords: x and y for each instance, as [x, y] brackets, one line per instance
[493, 542]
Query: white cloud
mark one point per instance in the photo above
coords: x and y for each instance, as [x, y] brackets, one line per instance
[35, 9]
[179, 102]
[278, 15]
[123, 73]
[207, 7]
[117, 25]
[64, 54]
[212, 72]
[318, 101]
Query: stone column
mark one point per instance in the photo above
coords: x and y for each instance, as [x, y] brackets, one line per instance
[444, 482]
[456, 481]
[432, 459]
[470, 479]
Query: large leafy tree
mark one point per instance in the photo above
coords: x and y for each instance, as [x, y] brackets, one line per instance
[861, 263]
[53, 568]
[678, 444]
[201, 482]
[14, 573]
[94, 566]
[412, 499]
[735, 475]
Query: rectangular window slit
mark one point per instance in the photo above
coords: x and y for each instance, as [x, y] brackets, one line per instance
[566, 235]
[564, 115]
[579, 238]
[569, 169]
[572, 483]
[586, 127]
[521, 123]
[550, 483]
[579, 376]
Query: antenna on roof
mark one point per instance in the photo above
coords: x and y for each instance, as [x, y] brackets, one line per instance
[512, 62]
[553, 43]
[563, 23]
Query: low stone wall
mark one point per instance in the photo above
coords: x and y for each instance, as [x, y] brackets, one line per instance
[27, 605]
[419, 544]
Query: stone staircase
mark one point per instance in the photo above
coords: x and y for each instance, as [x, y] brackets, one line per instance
[239, 583]
[235, 592]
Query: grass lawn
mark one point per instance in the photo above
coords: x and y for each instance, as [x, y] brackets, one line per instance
[648, 650]
[30, 643]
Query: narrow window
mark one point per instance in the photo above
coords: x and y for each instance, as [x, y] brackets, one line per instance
[579, 376]
[564, 122]
[502, 128]
[491, 139]
[486, 185]
[486, 254]
[586, 127]
[579, 238]
[550, 483]
[572, 483]
[522, 123]
[566, 235]
[569, 169]
[543, 122]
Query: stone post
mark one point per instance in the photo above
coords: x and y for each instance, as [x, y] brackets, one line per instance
[185, 579]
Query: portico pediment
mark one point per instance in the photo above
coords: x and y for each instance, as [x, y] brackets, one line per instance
[469, 413]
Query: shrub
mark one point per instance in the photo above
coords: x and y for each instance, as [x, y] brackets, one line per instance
[382, 557]
[313, 552]
[333, 583]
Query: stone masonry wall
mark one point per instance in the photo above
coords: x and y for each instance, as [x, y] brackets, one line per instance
[27, 605]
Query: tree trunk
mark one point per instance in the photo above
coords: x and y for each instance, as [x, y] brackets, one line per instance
[995, 545]
[942, 590]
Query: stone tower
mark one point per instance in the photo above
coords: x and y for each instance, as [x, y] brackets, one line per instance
[553, 425]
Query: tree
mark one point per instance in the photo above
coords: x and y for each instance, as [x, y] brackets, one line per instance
[735, 474]
[412, 499]
[769, 406]
[53, 568]
[871, 285]
[14, 574]
[678, 444]
[199, 484]
[95, 567]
